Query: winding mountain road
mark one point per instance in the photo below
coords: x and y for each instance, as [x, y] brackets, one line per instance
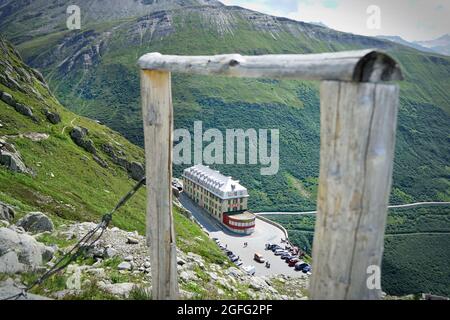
[403, 206]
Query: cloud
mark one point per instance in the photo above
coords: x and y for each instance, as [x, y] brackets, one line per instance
[410, 19]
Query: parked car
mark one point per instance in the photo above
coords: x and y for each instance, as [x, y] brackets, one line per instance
[275, 247]
[279, 252]
[259, 258]
[222, 247]
[234, 258]
[285, 255]
[300, 266]
[215, 239]
[229, 252]
[288, 258]
[293, 261]
[250, 270]
[239, 263]
[306, 269]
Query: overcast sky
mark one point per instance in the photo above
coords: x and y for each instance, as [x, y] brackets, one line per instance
[411, 19]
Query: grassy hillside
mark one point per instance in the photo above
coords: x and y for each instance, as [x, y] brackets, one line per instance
[93, 72]
[416, 255]
[66, 182]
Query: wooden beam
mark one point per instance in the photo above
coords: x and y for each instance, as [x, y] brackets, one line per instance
[358, 124]
[157, 113]
[360, 66]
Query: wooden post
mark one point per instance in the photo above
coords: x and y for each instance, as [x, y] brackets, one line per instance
[157, 113]
[358, 124]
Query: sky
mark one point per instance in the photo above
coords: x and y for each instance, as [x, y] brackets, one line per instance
[413, 20]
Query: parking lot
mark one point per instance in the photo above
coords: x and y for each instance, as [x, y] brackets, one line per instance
[264, 233]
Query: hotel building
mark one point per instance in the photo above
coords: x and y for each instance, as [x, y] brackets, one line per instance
[221, 196]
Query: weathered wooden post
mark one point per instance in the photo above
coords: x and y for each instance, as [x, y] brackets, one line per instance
[358, 124]
[157, 114]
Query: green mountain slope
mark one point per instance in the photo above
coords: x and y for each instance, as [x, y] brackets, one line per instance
[93, 72]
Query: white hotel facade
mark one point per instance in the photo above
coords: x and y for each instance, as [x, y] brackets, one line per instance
[222, 197]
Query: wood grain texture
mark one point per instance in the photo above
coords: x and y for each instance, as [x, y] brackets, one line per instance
[158, 129]
[358, 124]
[360, 66]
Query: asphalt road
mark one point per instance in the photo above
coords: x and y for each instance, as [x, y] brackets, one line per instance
[263, 234]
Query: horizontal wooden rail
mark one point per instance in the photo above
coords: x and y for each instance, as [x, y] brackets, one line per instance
[359, 66]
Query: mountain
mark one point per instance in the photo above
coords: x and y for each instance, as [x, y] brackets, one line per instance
[44, 167]
[404, 42]
[93, 72]
[440, 45]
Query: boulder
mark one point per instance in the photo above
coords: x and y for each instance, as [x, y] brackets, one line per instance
[117, 289]
[9, 288]
[125, 266]
[21, 252]
[8, 99]
[6, 212]
[136, 171]
[52, 117]
[79, 136]
[24, 110]
[11, 158]
[36, 222]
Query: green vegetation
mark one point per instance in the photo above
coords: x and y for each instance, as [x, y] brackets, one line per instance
[108, 90]
[416, 255]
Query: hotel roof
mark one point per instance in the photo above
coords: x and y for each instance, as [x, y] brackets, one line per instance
[212, 180]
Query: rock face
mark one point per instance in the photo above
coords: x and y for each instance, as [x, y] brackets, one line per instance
[79, 136]
[135, 169]
[6, 212]
[36, 222]
[11, 158]
[20, 252]
[22, 109]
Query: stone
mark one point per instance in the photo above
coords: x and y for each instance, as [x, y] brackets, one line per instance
[52, 117]
[147, 264]
[118, 289]
[78, 136]
[124, 266]
[136, 171]
[8, 99]
[110, 252]
[188, 275]
[24, 110]
[11, 158]
[97, 272]
[128, 258]
[36, 222]
[181, 261]
[30, 253]
[9, 263]
[131, 240]
[8, 288]
[6, 212]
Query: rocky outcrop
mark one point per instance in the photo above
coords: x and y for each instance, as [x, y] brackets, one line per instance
[11, 158]
[20, 252]
[20, 108]
[79, 136]
[36, 222]
[6, 212]
[135, 169]
[52, 117]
